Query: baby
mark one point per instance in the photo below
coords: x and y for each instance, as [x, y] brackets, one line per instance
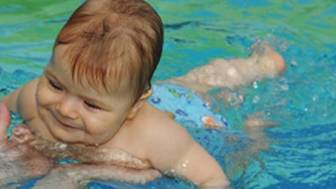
[90, 104]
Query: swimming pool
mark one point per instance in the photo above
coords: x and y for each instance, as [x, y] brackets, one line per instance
[302, 101]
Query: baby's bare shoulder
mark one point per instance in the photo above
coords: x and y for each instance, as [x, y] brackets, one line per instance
[157, 122]
[163, 135]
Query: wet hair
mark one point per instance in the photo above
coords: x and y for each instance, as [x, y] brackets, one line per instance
[110, 42]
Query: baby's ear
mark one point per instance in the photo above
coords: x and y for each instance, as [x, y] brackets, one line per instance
[139, 104]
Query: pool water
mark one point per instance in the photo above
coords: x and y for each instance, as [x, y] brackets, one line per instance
[302, 101]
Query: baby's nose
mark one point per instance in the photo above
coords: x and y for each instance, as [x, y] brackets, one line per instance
[68, 107]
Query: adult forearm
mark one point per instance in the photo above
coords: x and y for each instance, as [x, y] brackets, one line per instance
[82, 173]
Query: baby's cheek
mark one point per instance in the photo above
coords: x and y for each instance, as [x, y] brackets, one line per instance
[104, 129]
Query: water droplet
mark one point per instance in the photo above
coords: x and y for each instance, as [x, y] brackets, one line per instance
[315, 98]
[255, 85]
[284, 87]
[235, 99]
[256, 99]
[62, 146]
[293, 63]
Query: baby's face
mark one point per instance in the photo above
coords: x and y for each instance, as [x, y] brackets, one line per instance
[76, 114]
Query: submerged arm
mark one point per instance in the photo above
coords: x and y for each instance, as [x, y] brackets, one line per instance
[78, 175]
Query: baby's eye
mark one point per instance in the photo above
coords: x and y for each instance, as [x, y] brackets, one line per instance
[55, 85]
[93, 106]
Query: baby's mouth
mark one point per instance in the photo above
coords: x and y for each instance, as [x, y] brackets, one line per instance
[65, 123]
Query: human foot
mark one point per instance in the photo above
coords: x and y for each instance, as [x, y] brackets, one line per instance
[257, 121]
[254, 126]
[270, 62]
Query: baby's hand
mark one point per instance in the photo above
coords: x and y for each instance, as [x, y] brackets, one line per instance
[21, 134]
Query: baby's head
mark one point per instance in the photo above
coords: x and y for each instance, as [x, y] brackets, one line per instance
[100, 72]
[112, 45]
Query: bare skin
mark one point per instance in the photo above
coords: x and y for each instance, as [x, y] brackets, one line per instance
[239, 161]
[128, 168]
[52, 107]
[254, 127]
[61, 110]
[264, 62]
[77, 176]
[228, 75]
[27, 162]
[18, 160]
[117, 160]
[130, 138]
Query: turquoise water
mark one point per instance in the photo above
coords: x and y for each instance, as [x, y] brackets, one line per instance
[302, 100]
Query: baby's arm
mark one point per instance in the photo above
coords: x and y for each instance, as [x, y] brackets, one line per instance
[11, 100]
[22, 100]
[198, 166]
[174, 152]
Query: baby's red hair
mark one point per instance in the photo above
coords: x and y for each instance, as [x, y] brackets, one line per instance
[113, 41]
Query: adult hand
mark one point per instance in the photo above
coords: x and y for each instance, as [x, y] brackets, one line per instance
[18, 160]
[4, 123]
